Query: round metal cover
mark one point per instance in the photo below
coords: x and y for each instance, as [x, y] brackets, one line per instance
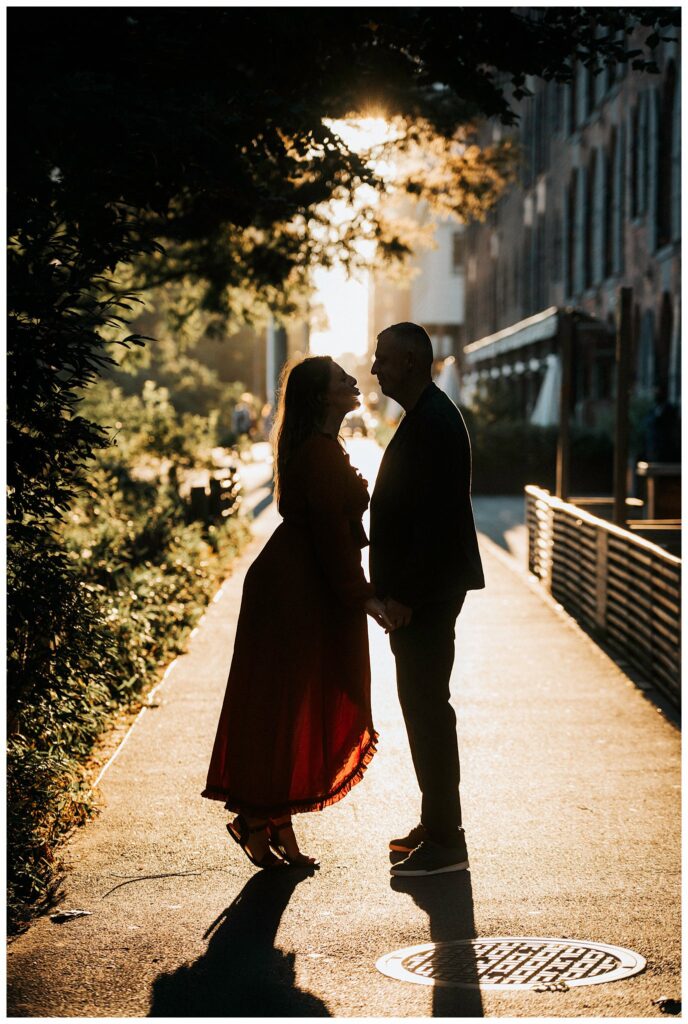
[512, 963]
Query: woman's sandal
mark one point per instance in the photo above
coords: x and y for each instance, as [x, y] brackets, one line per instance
[301, 860]
[239, 830]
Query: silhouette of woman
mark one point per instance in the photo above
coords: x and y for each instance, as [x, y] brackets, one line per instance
[296, 731]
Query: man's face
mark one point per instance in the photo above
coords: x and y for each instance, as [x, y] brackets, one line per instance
[390, 365]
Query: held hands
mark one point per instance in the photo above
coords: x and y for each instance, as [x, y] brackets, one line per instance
[389, 614]
[376, 609]
[397, 613]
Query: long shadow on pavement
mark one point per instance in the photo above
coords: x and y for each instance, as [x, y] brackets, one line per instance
[241, 974]
[448, 901]
[500, 517]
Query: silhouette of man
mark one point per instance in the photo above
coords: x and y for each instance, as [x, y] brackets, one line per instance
[424, 557]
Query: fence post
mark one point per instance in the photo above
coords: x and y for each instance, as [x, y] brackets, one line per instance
[601, 580]
[623, 368]
[564, 437]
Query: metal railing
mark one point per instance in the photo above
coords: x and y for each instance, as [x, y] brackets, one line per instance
[621, 587]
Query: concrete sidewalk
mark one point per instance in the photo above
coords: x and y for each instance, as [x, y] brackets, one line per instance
[572, 803]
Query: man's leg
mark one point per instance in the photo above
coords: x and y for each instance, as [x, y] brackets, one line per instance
[424, 653]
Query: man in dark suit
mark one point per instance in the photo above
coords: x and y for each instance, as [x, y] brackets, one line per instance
[424, 557]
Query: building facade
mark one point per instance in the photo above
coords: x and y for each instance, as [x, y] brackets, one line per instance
[597, 206]
[433, 292]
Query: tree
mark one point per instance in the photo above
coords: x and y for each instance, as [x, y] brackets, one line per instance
[204, 127]
[194, 144]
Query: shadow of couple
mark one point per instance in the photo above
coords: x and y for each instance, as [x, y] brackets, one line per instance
[242, 974]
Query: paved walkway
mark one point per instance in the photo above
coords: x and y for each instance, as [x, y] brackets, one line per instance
[571, 799]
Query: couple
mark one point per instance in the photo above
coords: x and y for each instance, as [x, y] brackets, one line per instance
[296, 731]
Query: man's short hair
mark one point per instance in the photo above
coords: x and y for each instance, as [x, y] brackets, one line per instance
[416, 337]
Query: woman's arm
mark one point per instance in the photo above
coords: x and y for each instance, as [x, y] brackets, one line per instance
[336, 548]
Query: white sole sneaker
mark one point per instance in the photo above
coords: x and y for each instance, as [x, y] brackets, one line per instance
[461, 866]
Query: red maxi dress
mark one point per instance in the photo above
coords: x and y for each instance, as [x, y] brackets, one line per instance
[296, 731]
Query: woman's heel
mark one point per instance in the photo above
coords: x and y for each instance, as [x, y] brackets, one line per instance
[300, 860]
[240, 831]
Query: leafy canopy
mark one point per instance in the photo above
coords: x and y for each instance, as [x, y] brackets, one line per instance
[204, 127]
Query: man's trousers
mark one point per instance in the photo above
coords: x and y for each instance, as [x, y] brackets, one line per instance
[424, 654]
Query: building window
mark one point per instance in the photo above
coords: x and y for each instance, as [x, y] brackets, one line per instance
[457, 252]
[494, 309]
[646, 354]
[663, 343]
[589, 91]
[527, 264]
[610, 201]
[675, 360]
[676, 166]
[558, 103]
[579, 232]
[527, 133]
[615, 72]
[581, 94]
[541, 129]
[665, 147]
[634, 170]
[542, 264]
[557, 249]
[588, 240]
[618, 206]
[643, 151]
[572, 103]
[600, 201]
[570, 252]
[622, 66]
[663, 361]
[600, 79]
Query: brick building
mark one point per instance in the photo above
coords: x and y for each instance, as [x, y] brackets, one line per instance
[596, 206]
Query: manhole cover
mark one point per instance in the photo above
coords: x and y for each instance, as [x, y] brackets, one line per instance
[511, 963]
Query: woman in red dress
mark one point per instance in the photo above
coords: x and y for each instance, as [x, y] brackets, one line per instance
[296, 731]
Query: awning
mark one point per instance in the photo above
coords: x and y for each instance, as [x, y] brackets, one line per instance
[535, 328]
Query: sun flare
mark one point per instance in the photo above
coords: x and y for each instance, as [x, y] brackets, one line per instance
[363, 133]
[345, 300]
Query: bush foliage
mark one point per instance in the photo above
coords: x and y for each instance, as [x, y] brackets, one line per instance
[509, 454]
[96, 620]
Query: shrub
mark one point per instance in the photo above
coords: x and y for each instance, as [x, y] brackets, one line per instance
[507, 455]
[94, 620]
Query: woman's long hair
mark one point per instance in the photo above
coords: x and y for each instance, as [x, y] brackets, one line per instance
[300, 409]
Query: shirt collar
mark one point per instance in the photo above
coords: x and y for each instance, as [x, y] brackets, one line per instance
[423, 398]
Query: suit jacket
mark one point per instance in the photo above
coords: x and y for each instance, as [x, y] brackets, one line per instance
[423, 545]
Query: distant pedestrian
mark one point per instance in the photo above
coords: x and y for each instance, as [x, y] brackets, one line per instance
[296, 729]
[424, 557]
[266, 420]
[242, 418]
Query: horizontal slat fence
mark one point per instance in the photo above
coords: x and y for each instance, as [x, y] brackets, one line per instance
[621, 587]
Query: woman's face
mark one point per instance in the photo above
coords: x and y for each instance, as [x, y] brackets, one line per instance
[342, 393]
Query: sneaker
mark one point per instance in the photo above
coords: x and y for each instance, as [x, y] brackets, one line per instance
[409, 842]
[432, 859]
